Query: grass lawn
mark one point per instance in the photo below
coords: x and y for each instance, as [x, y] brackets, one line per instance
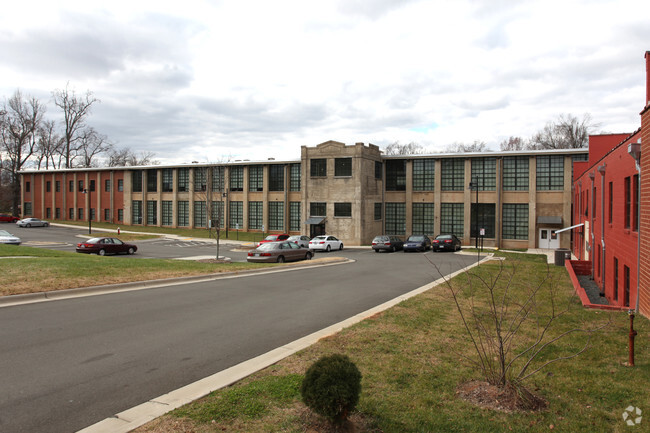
[415, 355]
[39, 270]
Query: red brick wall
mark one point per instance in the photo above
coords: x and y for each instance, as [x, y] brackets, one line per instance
[644, 278]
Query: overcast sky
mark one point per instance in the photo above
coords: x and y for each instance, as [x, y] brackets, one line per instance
[216, 80]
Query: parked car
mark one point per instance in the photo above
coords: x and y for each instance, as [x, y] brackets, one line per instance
[279, 252]
[301, 240]
[32, 222]
[103, 246]
[8, 238]
[6, 218]
[446, 242]
[273, 238]
[417, 243]
[387, 243]
[325, 243]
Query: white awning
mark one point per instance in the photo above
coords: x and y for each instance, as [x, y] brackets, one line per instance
[314, 220]
[569, 228]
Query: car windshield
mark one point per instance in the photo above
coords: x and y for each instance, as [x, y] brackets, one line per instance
[271, 238]
[415, 239]
[93, 241]
[380, 239]
[443, 237]
[268, 246]
[319, 238]
[5, 233]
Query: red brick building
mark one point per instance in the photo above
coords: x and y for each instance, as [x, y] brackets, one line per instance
[644, 251]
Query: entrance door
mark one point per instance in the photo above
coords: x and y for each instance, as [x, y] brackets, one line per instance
[316, 230]
[548, 239]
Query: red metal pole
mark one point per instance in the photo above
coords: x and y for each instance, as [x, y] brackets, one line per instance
[632, 335]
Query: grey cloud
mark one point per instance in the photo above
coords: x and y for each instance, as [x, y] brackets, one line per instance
[371, 9]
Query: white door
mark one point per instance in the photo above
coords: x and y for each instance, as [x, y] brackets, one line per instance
[548, 239]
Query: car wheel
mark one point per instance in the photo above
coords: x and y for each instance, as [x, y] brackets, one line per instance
[376, 251]
[308, 256]
[341, 246]
[28, 225]
[131, 251]
[280, 259]
[46, 224]
[101, 252]
[393, 249]
[328, 249]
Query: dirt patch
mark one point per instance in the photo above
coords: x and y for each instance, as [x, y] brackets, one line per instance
[503, 399]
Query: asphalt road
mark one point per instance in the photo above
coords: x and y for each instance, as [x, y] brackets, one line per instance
[67, 364]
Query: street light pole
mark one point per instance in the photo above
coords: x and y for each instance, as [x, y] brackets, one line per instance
[474, 185]
[90, 215]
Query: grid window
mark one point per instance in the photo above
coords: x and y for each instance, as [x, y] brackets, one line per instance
[626, 286]
[28, 187]
[136, 212]
[255, 215]
[152, 180]
[71, 213]
[81, 186]
[200, 214]
[343, 210]
[120, 185]
[635, 203]
[217, 214]
[377, 211]
[183, 180]
[136, 181]
[550, 172]
[152, 212]
[80, 213]
[92, 214]
[183, 216]
[120, 214]
[57, 213]
[107, 185]
[294, 177]
[318, 167]
[168, 180]
[486, 219]
[343, 167]
[485, 171]
[515, 221]
[452, 218]
[217, 178]
[57, 186]
[276, 177]
[610, 207]
[107, 214]
[71, 186]
[28, 208]
[237, 178]
[615, 279]
[395, 218]
[294, 216]
[200, 180]
[255, 178]
[396, 175]
[91, 184]
[317, 209]
[236, 216]
[276, 215]
[424, 171]
[628, 202]
[423, 218]
[48, 186]
[452, 172]
[48, 213]
[167, 213]
[378, 170]
[515, 173]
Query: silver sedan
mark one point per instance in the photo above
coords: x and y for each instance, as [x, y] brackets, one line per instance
[32, 222]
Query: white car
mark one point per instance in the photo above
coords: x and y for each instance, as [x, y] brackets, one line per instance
[325, 243]
[8, 238]
[32, 222]
[301, 240]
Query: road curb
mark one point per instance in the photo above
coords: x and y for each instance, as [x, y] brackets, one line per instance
[137, 416]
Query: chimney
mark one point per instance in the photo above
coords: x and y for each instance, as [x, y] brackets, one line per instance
[647, 78]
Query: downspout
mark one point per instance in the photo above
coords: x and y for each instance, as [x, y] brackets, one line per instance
[634, 149]
[601, 170]
[591, 224]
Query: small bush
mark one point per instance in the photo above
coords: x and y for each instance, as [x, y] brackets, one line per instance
[331, 387]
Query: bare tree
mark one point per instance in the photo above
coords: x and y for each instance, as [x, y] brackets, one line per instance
[566, 132]
[404, 149]
[75, 111]
[125, 157]
[476, 146]
[90, 145]
[514, 143]
[20, 121]
[49, 145]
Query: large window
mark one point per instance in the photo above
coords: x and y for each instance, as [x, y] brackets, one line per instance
[167, 213]
[152, 180]
[424, 174]
[236, 215]
[276, 177]
[294, 178]
[515, 173]
[107, 185]
[615, 279]
[237, 178]
[378, 207]
[343, 210]
[167, 179]
[218, 178]
[217, 214]
[152, 212]
[200, 180]
[486, 219]
[318, 167]
[317, 209]
[515, 221]
[255, 215]
[628, 202]
[452, 216]
[276, 215]
[396, 175]
[452, 172]
[484, 170]
[120, 185]
[550, 172]
[610, 205]
[378, 170]
[136, 212]
[423, 218]
[395, 218]
[294, 216]
[255, 178]
[136, 181]
[343, 167]
[183, 179]
[626, 286]
[183, 213]
[27, 209]
[635, 203]
[200, 214]
[57, 185]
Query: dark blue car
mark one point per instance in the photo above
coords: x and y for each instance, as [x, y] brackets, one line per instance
[417, 243]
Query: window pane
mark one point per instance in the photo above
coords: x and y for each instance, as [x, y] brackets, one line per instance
[276, 178]
[256, 178]
[452, 219]
[255, 215]
[484, 170]
[395, 218]
[343, 167]
[452, 173]
[395, 175]
[276, 215]
[550, 172]
[486, 219]
[237, 178]
[423, 218]
[295, 177]
[424, 174]
[294, 216]
[515, 173]
[342, 209]
[515, 221]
